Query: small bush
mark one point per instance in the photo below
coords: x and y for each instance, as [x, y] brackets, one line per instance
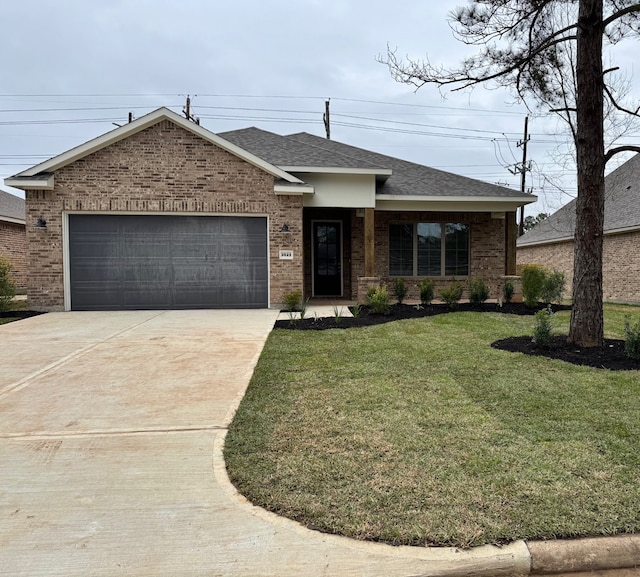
[543, 328]
[356, 310]
[292, 300]
[425, 286]
[478, 291]
[507, 291]
[553, 289]
[7, 288]
[378, 300]
[632, 339]
[452, 295]
[400, 289]
[533, 282]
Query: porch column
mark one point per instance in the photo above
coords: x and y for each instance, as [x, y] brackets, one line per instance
[369, 243]
[510, 236]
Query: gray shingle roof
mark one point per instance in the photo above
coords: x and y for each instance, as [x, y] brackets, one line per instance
[408, 179]
[621, 208]
[11, 206]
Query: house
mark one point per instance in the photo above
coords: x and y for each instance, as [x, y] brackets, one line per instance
[13, 240]
[550, 243]
[162, 213]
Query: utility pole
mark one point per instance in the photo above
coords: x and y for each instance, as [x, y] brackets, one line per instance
[187, 111]
[523, 169]
[327, 118]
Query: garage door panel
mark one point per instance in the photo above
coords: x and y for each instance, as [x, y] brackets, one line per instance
[163, 262]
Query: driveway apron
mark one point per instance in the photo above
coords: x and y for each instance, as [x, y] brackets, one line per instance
[111, 433]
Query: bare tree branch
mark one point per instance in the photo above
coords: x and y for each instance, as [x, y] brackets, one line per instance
[620, 14]
[627, 148]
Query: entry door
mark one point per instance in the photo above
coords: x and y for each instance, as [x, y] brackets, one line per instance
[327, 258]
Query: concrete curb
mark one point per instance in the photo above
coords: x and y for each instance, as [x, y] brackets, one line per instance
[593, 554]
[520, 558]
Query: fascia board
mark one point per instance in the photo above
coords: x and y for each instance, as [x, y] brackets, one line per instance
[12, 220]
[43, 182]
[142, 123]
[295, 190]
[338, 170]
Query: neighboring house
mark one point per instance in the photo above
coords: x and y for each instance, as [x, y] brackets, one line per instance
[13, 239]
[550, 243]
[162, 213]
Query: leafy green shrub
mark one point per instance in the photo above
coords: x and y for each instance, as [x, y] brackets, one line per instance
[533, 281]
[478, 291]
[452, 295]
[632, 339]
[426, 288]
[543, 328]
[356, 310]
[400, 289]
[378, 300]
[7, 288]
[292, 300]
[553, 289]
[507, 291]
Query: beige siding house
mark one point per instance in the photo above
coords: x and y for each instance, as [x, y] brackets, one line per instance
[550, 243]
[162, 213]
[13, 240]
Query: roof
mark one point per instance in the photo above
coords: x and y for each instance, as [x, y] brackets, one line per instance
[621, 209]
[403, 178]
[11, 208]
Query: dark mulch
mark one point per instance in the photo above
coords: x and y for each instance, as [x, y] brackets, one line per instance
[19, 314]
[399, 312]
[611, 356]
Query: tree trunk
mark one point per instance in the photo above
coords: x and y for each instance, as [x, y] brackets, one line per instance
[586, 328]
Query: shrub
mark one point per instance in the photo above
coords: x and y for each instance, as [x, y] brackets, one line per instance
[292, 300]
[7, 288]
[378, 300]
[478, 291]
[533, 281]
[400, 289]
[553, 289]
[452, 295]
[543, 328]
[507, 291]
[632, 339]
[425, 287]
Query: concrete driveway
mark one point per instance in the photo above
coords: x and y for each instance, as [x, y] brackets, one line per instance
[111, 433]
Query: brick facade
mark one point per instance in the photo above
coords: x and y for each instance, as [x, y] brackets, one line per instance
[620, 270]
[13, 246]
[487, 248]
[162, 169]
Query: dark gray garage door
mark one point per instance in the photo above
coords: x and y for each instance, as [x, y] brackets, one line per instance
[167, 262]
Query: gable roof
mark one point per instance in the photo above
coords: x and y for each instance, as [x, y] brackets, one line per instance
[401, 178]
[621, 209]
[40, 176]
[11, 208]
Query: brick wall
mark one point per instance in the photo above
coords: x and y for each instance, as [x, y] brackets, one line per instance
[487, 254]
[13, 246]
[621, 264]
[163, 169]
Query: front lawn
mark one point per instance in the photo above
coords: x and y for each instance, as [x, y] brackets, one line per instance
[418, 432]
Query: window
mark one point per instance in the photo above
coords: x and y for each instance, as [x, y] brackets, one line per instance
[429, 249]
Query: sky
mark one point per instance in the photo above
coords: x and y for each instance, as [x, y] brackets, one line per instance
[71, 69]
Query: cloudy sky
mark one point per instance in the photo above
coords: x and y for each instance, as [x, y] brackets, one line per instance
[70, 69]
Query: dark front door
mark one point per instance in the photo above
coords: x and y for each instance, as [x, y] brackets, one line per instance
[327, 259]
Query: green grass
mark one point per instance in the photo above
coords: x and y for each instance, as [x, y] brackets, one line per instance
[418, 432]
[16, 305]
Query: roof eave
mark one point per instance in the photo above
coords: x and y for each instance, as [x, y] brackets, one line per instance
[451, 203]
[12, 220]
[380, 172]
[35, 182]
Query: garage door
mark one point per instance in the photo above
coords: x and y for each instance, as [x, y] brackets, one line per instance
[122, 262]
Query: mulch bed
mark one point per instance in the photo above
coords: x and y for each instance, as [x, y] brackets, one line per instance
[399, 312]
[612, 356]
[19, 314]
